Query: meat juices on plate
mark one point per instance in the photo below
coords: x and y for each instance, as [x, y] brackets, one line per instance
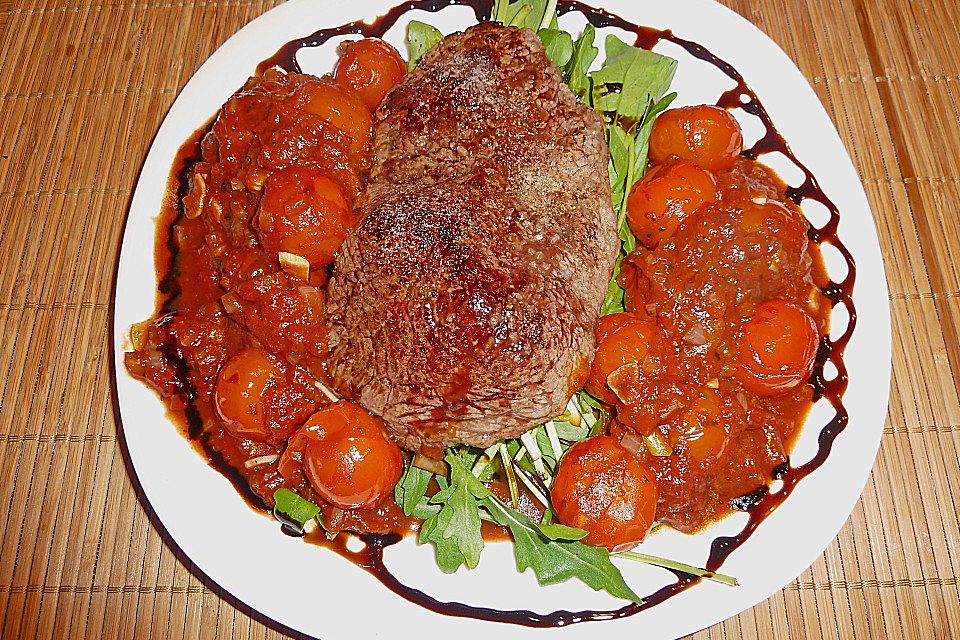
[462, 307]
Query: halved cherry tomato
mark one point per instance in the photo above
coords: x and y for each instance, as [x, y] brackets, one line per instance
[667, 194]
[341, 107]
[346, 456]
[777, 348]
[707, 135]
[604, 489]
[622, 338]
[303, 212]
[239, 392]
[702, 432]
[370, 67]
[255, 398]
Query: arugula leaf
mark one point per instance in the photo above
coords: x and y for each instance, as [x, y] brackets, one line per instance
[569, 432]
[411, 488]
[455, 529]
[530, 14]
[420, 38]
[584, 400]
[547, 516]
[558, 45]
[513, 448]
[586, 403]
[556, 561]
[293, 507]
[613, 301]
[443, 495]
[449, 555]
[560, 532]
[630, 79]
[629, 88]
[424, 510]
[546, 447]
[622, 167]
[628, 162]
[577, 69]
[673, 565]
[642, 144]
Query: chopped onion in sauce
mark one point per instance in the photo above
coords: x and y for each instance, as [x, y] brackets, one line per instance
[265, 220]
[296, 266]
[633, 442]
[433, 465]
[657, 446]
[259, 460]
[326, 391]
[138, 334]
[230, 303]
[696, 335]
[620, 378]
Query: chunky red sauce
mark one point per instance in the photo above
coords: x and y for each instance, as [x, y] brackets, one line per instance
[700, 287]
[225, 298]
[224, 291]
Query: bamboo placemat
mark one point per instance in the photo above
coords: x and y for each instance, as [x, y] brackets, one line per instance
[83, 88]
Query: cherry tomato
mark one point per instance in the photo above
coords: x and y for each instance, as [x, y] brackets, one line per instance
[303, 212]
[666, 195]
[347, 457]
[341, 107]
[772, 218]
[702, 431]
[370, 67]
[622, 338]
[777, 347]
[707, 135]
[604, 489]
[239, 392]
[256, 399]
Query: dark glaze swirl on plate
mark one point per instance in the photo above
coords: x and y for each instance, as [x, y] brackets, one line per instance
[758, 504]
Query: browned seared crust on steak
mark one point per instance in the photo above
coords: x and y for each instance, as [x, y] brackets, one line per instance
[462, 307]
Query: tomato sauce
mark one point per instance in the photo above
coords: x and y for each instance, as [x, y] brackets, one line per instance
[699, 287]
[224, 295]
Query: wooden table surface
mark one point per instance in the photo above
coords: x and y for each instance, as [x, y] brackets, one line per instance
[84, 86]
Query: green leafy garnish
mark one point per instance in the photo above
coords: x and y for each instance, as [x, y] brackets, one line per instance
[412, 488]
[455, 529]
[558, 45]
[682, 567]
[589, 406]
[628, 89]
[420, 38]
[630, 79]
[555, 561]
[530, 14]
[553, 551]
[577, 69]
[290, 507]
[560, 532]
[628, 161]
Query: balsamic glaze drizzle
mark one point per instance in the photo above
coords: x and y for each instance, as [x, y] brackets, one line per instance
[758, 504]
[286, 56]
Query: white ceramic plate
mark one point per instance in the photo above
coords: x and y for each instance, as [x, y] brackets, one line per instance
[316, 591]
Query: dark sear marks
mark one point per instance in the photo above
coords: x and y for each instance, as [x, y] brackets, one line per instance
[462, 307]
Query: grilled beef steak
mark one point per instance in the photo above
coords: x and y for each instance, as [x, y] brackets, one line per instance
[463, 305]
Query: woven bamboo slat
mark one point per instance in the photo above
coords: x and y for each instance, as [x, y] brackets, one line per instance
[84, 86]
